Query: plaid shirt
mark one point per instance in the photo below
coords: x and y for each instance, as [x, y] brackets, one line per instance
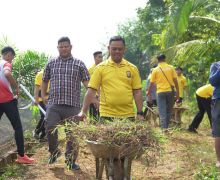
[65, 77]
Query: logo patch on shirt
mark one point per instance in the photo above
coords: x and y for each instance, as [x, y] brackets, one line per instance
[128, 74]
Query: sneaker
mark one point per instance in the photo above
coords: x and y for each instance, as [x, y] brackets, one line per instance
[72, 166]
[53, 157]
[24, 160]
[217, 164]
[192, 130]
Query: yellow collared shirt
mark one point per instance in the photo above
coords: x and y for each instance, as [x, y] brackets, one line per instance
[182, 84]
[91, 69]
[205, 91]
[159, 78]
[117, 82]
[38, 81]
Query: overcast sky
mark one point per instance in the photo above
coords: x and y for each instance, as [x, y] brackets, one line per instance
[38, 24]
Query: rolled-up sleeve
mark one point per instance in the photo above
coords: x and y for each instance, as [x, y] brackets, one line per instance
[95, 80]
[84, 73]
[47, 70]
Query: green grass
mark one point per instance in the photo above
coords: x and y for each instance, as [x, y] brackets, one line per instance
[207, 172]
[13, 171]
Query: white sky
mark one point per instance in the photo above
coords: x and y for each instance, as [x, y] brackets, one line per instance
[38, 24]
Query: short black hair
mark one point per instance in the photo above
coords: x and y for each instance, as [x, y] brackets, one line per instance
[161, 57]
[179, 68]
[7, 49]
[64, 39]
[117, 38]
[96, 53]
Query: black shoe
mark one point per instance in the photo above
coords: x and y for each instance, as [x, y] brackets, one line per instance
[192, 130]
[53, 157]
[72, 165]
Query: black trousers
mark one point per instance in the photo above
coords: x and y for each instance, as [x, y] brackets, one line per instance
[11, 111]
[40, 126]
[93, 112]
[204, 105]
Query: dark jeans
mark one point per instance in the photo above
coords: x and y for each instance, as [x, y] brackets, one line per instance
[93, 112]
[40, 126]
[204, 105]
[11, 111]
[165, 102]
[215, 117]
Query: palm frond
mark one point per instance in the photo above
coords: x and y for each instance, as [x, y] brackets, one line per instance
[204, 18]
[183, 53]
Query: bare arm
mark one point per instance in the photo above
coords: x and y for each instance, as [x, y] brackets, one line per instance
[149, 89]
[85, 83]
[44, 87]
[12, 81]
[88, 99]
[138, 99]
[177, 88]
[36, 93]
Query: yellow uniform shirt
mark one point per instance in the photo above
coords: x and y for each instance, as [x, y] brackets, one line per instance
[38, 81]
[205, 91]
[91, 70]
[117, 82]
[158, 77]
[182, 84]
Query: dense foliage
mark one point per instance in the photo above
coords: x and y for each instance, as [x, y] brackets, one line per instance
[186, 31]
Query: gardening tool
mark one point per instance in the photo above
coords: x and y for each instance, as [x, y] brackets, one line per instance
[32, 98]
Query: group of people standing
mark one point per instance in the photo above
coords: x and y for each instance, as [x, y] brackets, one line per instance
[112, 88]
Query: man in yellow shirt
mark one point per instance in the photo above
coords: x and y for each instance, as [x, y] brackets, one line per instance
[39, 132]
[165, 77]
[119, 83]
[181, 79]
[203, 97]
[93, 112]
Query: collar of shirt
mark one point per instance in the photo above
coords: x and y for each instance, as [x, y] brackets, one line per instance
[65, 59]
[161, 64]
[123, 62]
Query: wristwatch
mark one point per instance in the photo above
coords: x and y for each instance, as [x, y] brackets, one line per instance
[140, 113]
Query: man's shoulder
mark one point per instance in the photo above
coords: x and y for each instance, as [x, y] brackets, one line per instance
[215, 65]
[129, 64]
[40, 73]
[92, 67]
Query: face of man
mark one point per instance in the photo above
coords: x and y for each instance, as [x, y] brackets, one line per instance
[116, 50]
[179, 72]
[64, 49]
[98, 58]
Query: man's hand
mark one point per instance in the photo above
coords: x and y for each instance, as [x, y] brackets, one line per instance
[44, 100]
[81, 116]
[96, 103]
[36, 102]
[139, 117]
[17, 92]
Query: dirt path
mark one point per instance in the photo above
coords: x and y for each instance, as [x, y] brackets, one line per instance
[182, 154]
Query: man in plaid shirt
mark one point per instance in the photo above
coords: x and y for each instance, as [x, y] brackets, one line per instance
[65, 74]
